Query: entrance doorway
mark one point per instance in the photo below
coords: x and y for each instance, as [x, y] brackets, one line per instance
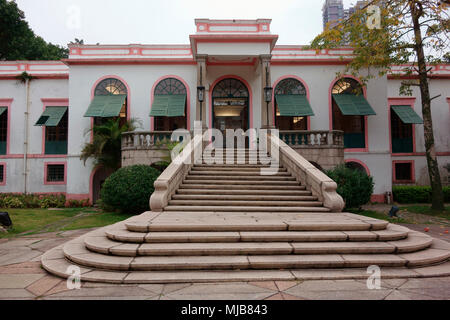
[230, 107]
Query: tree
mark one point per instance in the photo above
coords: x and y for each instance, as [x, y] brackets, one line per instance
[18, 41]
[411, 32]
[105, 147]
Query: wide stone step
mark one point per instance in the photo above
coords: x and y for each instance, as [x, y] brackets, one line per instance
[274, 193]
[245, 203]
[376, 226]
[234, 166]
[258, 177]
[245, 187]
[389, 234]
[197, 168]
[223, 197]
[230, 208]
[235, 173]
[79, 254]
[240, 182]
[107, 246]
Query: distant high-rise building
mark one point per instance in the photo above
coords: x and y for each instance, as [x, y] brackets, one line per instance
[332, 11]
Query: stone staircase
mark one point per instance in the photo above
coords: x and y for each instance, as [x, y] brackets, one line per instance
[228, 222]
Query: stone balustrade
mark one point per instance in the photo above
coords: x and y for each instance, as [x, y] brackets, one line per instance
[313, 138]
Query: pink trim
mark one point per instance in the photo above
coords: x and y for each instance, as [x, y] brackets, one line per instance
[401, 101]
[361, 163]
[51, 102]
[330, 114]
[7, 103]
[128, 96]
[125, 61]
[303, 82]
[46, 164]
[79, 197]
[188, 98]
[379, 198]
[413, 179]
[3, 183]
[250, 101]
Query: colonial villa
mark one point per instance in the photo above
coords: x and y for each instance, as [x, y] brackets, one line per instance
[43, 121]
[216, 221]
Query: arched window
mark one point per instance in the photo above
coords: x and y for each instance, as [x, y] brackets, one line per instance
[356, 166]
[110, 101]
[349, 108]
[169, 106]
[290, 97]
[110, 86]
[230, 88]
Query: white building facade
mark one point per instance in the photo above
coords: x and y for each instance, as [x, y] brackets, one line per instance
[44, 120]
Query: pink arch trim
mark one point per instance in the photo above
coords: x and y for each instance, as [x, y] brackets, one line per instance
[274, 85]
[361, 163]
[250, 102]
[330, 112]
[188, 98]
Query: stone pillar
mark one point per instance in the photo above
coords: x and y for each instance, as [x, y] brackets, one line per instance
[201, 81]
[266, 81]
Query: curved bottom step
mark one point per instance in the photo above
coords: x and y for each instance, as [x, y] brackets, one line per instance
[54, 262]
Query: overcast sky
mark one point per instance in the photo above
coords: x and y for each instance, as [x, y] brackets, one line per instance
[164, 21]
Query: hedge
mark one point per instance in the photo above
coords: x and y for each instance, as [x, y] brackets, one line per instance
[354, 186]
[129, 188]
[416, 194]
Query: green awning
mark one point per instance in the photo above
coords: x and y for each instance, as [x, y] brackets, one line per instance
[407, 114]
[294, 105]
[353, 105]
[51, 116]
[106, 106]
[2, 109]
[168, 105]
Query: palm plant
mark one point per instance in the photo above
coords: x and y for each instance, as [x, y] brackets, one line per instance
[105, 146]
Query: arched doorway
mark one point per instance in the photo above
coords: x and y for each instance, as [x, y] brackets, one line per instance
[230, 105]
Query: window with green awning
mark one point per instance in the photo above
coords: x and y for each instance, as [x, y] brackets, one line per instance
[168, 105]
[407, 114]
[353, 105]
[106, 106]
[294, 105]
[51, 116]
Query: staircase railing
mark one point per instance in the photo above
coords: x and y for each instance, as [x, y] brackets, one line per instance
[169, 181]
[315, 180]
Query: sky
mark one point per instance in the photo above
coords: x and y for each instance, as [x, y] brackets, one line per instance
[164, 21]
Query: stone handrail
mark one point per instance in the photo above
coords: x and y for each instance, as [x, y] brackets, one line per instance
[134, 140]
[169, 181]
[315, 180]
[313, 138]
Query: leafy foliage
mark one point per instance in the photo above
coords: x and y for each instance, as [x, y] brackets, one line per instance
[354, 186]
[129, 188]
[18, 41]
[36, 201]
[413, 33]
[416, 194]
[105, 147]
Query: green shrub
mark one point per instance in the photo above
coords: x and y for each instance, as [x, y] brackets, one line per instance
[160, 165]
[416, 194]
[32, 200]
[129, 188]
[354, 186]
[12, 202]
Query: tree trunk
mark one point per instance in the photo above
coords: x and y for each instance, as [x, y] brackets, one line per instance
[437, 196]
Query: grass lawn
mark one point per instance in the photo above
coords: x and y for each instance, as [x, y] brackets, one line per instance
[379, 215]
[426, 209]
[32, 221]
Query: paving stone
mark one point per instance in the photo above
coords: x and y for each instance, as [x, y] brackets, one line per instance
[61, 287]
[47, 244]
[18, 281]
[340, 295]
[437, 270]
[155, 288]
[172, 287]
[14, 243]
[265, 284]
[9, 294]
[284, 285]
[108, 292]
[43, 285]
[18, 255]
